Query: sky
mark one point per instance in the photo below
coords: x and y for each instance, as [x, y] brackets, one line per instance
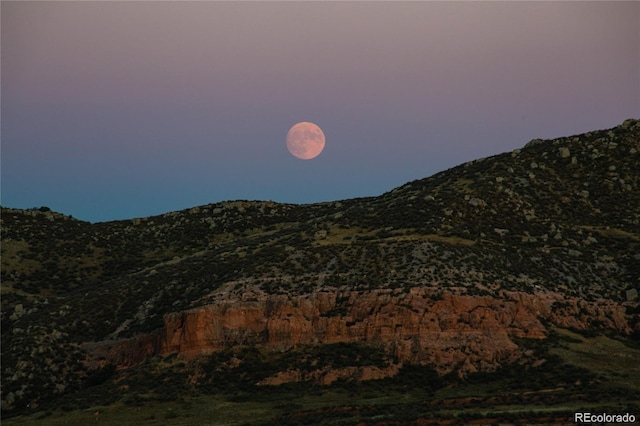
[116, 110]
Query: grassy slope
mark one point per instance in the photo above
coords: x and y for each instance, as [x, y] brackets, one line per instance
[592, 373]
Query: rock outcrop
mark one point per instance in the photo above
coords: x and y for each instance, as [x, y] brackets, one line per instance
[448, 331]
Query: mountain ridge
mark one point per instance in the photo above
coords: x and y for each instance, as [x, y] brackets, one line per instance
[451, 271]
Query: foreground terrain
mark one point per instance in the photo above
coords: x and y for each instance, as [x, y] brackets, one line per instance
[502, 290]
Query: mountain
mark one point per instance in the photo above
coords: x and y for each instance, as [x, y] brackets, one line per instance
[510, 270]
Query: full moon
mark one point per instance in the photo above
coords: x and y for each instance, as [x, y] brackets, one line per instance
[305, 140]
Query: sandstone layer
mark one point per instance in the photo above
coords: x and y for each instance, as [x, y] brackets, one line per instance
[448, 331]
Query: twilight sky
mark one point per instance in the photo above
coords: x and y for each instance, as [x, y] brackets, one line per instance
[114, 110]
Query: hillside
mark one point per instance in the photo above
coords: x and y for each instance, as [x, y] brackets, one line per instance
[490, 267]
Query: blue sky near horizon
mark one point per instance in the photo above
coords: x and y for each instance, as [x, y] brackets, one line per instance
[115, 110]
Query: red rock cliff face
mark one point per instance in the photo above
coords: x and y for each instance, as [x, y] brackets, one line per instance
[456, 332]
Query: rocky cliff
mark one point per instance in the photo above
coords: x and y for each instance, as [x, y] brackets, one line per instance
[445, 330]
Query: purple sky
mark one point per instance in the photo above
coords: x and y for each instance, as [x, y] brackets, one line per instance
[114, 110]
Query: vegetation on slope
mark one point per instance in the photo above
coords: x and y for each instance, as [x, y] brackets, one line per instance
[560, 215]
